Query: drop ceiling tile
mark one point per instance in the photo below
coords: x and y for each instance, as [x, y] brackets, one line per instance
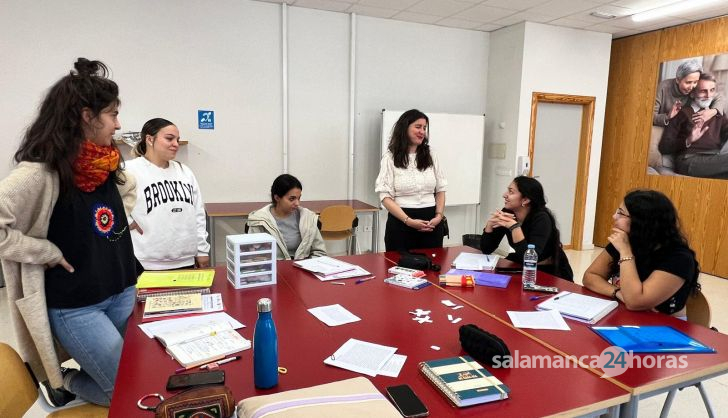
[458, 23]
[416, 17]
[485, 14]
[372, 11]
[331, 5]
[388, 4]
[514, 4]
[444, 8]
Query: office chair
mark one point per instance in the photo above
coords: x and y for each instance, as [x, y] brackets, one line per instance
[339, 222]
[698, 312]
[20, 391]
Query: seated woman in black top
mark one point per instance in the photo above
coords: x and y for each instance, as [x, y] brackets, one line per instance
[525, 220]
[647, 264]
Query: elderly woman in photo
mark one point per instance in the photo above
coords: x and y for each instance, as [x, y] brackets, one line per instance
[674, 93]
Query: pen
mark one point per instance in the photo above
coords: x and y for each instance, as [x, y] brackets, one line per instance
[562, 296]
[339, 283]
[219, 362]
[363, 280]
[538, 297]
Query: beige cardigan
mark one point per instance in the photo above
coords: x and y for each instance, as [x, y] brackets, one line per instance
[27, 198]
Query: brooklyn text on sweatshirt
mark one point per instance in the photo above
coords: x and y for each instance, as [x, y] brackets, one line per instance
[165, 191]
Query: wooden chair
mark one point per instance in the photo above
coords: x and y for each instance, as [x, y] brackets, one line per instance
[20, 391]
[339, 222]
[698, 312]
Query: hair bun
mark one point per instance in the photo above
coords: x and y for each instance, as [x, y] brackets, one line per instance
[86, 68]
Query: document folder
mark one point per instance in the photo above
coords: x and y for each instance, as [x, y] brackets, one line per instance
[651, 339]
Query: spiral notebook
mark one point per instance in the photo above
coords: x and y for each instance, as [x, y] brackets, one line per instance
[464, 381]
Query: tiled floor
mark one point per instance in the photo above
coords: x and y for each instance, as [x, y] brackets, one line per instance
[687, 403]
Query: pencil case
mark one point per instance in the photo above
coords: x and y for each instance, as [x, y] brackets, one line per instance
[483, 346]
[456, 280]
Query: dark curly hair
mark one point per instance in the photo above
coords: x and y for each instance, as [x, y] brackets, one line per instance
[654, 224]
[55, 136]
[399, 141]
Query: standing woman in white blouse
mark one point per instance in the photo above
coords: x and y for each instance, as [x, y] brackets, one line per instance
[411, 186]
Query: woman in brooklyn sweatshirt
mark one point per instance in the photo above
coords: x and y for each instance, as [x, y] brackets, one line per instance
[169, 216]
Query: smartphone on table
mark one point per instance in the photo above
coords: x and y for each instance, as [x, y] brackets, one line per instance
[409, 405]
[188, 380]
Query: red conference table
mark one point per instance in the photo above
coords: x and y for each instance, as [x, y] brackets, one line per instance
[582, 341]
[304, 342]
[384, 310]
[242, 209]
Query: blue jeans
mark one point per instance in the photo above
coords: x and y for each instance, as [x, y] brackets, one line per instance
[93, 336]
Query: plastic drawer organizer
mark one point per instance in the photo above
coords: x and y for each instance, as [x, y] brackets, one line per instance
[251, 260]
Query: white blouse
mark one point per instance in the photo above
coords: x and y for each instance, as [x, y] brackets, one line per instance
[409, 187]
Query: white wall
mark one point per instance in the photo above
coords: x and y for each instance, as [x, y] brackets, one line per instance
[567, 61]
[553, 60]
[501, 122]
[404, 65]
[172, 58]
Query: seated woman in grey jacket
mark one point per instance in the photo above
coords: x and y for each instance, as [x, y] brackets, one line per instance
[295, 228]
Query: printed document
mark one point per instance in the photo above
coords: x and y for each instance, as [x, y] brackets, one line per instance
[393, 366]
[333, 315]
[324, 265]
[538, 320]
[361, 357]
[182, 324]
[471, 261]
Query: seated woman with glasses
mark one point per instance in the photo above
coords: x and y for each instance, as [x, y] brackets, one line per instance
[648, 264]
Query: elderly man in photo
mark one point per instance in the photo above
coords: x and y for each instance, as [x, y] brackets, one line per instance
[697, 143]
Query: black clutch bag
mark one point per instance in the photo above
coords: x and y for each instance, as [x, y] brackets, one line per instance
[482, 345]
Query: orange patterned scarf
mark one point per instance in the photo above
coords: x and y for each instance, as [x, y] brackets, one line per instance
[93, 165]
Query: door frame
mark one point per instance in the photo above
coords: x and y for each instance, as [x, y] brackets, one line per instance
[582, 166]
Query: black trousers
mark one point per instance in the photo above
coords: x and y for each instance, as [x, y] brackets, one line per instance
[399, 237]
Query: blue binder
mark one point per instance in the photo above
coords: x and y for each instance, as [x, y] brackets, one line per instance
[651, 339]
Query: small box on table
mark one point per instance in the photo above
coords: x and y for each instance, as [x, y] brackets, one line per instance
[251, 260]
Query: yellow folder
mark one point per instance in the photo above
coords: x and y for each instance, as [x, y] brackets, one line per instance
[176, 278]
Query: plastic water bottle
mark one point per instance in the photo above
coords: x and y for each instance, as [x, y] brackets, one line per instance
[265, 347]
[530, 262]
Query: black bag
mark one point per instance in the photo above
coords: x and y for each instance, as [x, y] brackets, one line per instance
[416, 261]
[445, 228]
[482, 345]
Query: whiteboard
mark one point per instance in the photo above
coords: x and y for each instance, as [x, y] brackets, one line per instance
[458, 142]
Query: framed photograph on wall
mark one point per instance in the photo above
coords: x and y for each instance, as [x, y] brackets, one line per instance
[689, 123]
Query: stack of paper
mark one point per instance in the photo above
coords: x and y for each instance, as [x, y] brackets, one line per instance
[471, 261]
[328, 268]
[579, 307]
[368, 358]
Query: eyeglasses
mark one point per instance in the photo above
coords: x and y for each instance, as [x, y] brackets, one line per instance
[621, 213]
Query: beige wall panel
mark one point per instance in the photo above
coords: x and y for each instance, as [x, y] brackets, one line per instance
[701, 203]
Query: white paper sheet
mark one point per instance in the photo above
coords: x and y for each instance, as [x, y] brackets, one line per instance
[471, 261]
[538, 320]
[392, 367]
[333, 315]
[180, 324]
[361, 357]
[324, 265]
[356, 272]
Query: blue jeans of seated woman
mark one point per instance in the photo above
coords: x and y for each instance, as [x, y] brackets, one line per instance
[93, 336]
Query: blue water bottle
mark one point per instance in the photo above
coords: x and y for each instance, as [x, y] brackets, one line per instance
[265, 347]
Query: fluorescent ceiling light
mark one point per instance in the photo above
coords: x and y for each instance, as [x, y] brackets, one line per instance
[671, 10]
